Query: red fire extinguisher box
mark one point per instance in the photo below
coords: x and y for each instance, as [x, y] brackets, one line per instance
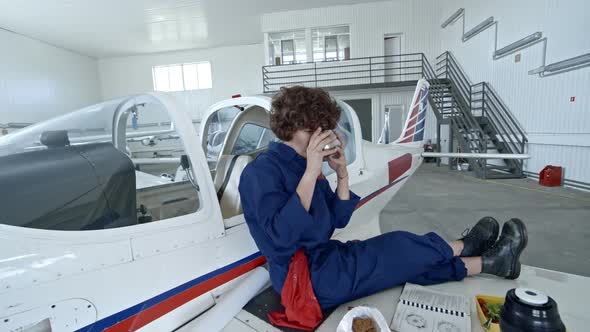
[551, 176]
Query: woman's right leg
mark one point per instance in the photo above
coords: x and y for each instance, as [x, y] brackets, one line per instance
[473, 265]
[357, 269]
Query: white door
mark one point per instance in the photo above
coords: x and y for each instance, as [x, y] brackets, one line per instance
[392, 61]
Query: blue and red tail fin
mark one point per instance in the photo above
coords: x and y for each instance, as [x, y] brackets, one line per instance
[413, 131]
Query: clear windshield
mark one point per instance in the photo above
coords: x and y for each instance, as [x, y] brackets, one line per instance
[218, 128]
[90, 124]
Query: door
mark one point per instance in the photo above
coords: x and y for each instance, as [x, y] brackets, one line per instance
[363, 109]
[391, 64]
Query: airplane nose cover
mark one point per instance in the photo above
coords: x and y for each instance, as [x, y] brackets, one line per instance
[82, 187]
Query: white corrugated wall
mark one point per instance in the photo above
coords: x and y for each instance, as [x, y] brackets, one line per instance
[369, 23]
[39, 81]
[558, 130]
[234, 70]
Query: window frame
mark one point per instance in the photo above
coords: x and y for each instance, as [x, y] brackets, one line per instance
[321, 38]
[293, 52]
[270, 45]
[182, 66]
[335, 38]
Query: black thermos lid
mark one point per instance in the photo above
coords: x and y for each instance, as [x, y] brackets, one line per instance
[528, 310]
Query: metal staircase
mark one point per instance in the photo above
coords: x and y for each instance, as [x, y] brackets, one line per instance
[479, 120]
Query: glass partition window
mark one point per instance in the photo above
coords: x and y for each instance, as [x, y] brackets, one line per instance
[330, 44]
[287, 47]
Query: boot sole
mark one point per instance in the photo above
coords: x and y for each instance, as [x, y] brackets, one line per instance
[515, 268]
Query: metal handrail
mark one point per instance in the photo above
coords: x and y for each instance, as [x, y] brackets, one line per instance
[492, 107]
[336, 61]
[461, 116]
[365, 70]
[480, 97]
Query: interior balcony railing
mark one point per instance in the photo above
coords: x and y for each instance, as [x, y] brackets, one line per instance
[367, 72]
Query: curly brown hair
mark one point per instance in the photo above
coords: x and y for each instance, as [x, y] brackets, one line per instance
[301, 108]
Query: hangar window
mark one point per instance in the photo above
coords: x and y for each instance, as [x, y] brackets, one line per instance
[182, 77]
[330, 44]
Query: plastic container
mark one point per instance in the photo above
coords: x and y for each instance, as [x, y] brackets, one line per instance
[345, 324]
[494, 327]
[551, 176]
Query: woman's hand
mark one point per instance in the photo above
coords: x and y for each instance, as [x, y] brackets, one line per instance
[315, 152]
[337, 161]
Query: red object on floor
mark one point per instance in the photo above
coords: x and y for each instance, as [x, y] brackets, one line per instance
[302, 310]
[551, 176]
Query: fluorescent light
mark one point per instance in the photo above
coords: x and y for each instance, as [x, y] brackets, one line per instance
[453, 17]
[569, 63]
[479, 28]
[518, 45]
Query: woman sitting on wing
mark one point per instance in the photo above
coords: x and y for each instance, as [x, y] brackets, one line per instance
[289, 206]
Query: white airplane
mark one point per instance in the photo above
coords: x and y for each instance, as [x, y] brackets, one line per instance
[117, 217]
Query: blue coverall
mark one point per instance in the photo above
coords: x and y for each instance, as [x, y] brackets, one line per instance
[340, 272]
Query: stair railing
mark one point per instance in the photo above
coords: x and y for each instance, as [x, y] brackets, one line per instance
[469, 132]
[483, 99]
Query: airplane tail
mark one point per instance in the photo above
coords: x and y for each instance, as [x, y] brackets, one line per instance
[413, 131]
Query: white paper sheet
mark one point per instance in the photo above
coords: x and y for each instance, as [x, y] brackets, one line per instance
[424, 310]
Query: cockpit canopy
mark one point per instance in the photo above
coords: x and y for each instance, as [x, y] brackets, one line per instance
[113, 164]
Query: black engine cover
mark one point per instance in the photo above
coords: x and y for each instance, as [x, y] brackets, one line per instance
[85, 187]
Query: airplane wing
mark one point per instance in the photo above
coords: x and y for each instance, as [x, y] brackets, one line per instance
[476, 155]
[570, 300]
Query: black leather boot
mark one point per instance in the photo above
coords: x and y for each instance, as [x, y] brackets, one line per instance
[503, 259]
[481, 237]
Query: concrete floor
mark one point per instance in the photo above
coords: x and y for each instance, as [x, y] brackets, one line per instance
[446, 202]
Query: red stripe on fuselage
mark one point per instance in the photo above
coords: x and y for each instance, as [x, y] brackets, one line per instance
[396, 169]
[408, 140]
[399, 166]
[148, 315]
